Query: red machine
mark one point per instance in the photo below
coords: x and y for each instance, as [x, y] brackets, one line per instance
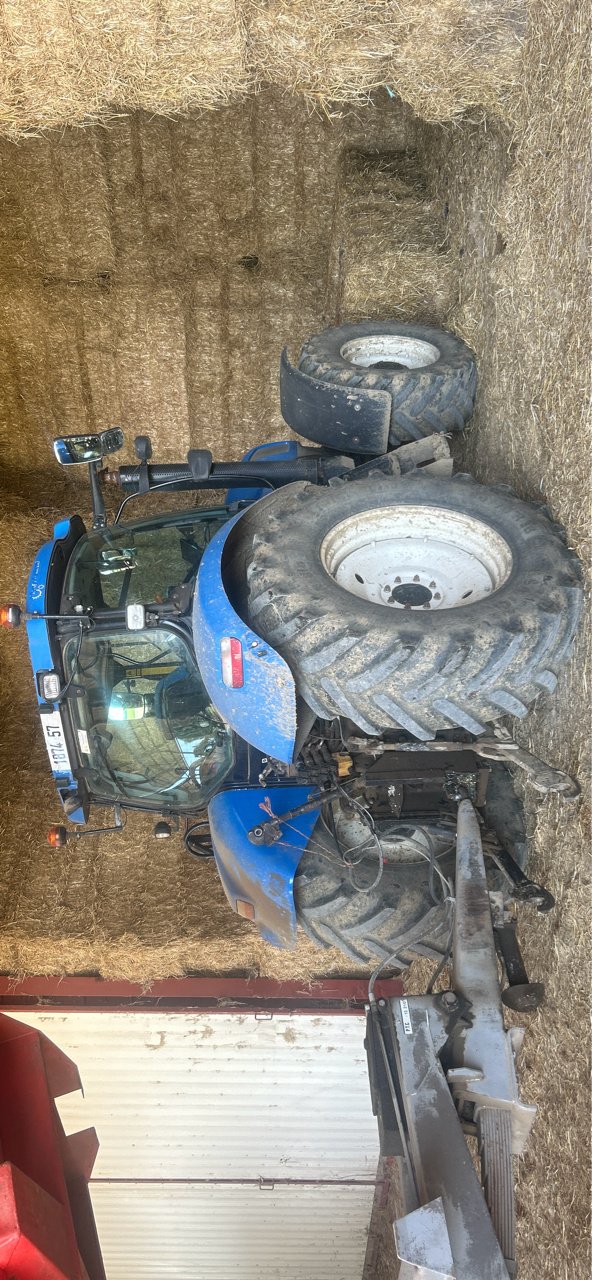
[47, 1227]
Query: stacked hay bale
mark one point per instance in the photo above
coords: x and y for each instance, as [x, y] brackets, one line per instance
[67, 61]
[389, 256]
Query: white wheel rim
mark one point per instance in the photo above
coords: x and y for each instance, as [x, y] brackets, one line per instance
[416, 558]
[389, 348]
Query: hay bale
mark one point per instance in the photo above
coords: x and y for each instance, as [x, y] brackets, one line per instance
[27, 394]
[439, 58]
[330, 50]
[138, 254]
[84, 358]
[456, 54]
[69, 62]
[54, 207]
[379, 280]
[388, 253]
[148, 353]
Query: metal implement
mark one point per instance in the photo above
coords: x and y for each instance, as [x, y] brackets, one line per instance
[543, 777]
[448, 1064]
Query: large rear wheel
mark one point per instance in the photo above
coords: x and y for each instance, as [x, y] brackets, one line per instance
[371, 909]
[415, 603]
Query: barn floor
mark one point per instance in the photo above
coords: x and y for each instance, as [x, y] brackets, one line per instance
[107, 318]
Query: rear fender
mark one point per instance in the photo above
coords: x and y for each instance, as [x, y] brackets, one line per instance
[262, 875]
[263, 711]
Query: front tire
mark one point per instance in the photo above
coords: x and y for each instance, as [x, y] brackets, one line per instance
[416, 603]
[401, 915]
[429, 373]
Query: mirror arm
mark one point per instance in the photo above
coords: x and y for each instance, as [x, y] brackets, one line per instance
[98, 503]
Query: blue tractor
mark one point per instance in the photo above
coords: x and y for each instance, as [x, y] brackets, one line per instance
[309, 681]
[298, 675]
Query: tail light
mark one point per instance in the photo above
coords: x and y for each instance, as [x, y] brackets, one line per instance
[231, 653]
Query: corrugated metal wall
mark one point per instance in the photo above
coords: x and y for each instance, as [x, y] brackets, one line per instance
[231, 1145]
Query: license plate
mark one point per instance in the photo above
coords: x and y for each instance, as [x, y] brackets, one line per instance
[55, 742]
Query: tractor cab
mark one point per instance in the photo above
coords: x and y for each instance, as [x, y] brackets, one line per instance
[127, 718]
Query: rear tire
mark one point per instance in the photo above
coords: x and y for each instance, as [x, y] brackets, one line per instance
[464, 658]
[429, 373]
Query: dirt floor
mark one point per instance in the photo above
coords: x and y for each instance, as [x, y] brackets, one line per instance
[507, 269]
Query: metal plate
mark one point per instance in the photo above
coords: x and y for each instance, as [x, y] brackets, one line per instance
[55, 741]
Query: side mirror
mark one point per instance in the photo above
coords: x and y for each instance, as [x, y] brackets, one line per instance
[76, 449]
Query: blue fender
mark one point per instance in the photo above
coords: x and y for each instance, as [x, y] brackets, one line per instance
[263, 711]
[262, 875]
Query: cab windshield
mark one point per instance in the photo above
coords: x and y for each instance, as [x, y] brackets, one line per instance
[141, 562]
[146, 729]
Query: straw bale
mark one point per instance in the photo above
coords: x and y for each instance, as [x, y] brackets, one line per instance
[56, 190]
[439, 58]
[246, 344]
[378, 280]
[71, 61]
[279, 150]
[196, 54]
[100, 215]
[53, 80]
[332, 50]
[23, 337]
[13, 439]
[215, 185]
[148, 344]
[388, 252]
[233, 182]
[453, 55]
[17, 249]
[36, 237]
[206, 366]
[122, 157]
